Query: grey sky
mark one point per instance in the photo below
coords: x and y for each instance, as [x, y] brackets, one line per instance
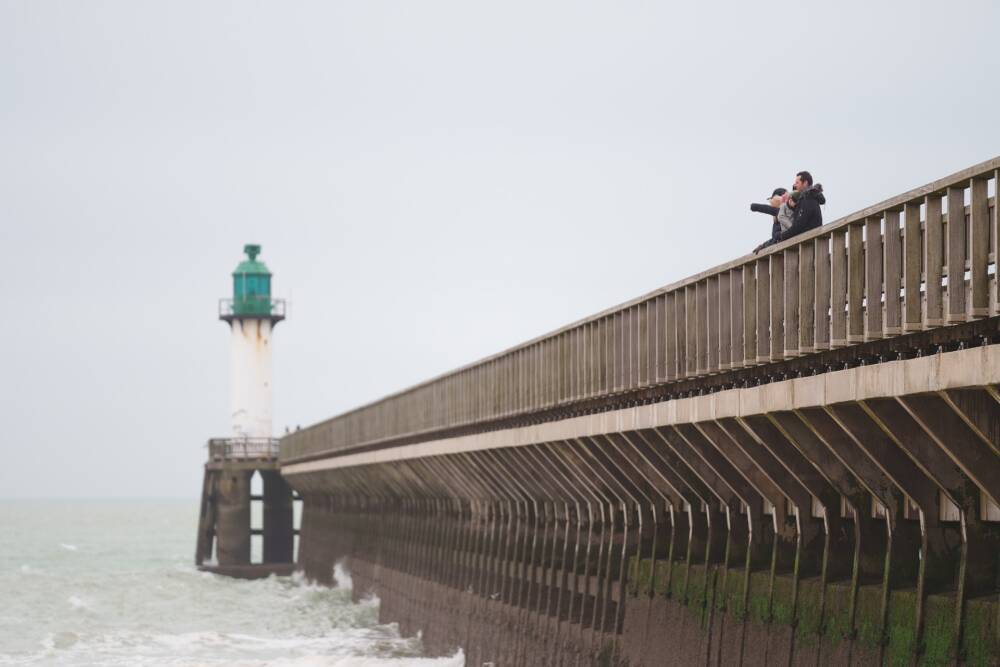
[430, 181]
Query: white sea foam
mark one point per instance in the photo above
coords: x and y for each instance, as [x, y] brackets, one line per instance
[342, 576]
[77, 602]
[69, 547]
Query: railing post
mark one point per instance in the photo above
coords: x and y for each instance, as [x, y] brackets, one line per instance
[893, 272]
[873, 278]
[956, 254]
[725, 345]
[793, 320]
[763, 311]
[777, 262]
[736, 316]
[750, 313]
[980, 227]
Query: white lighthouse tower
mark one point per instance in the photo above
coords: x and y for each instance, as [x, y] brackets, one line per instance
[224, 525]
[252, 315]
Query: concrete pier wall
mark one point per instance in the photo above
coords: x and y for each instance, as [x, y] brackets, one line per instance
[843, 518]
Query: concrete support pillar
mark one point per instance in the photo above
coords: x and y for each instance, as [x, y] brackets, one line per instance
[206, 519]
[279, 528]
[233, 523]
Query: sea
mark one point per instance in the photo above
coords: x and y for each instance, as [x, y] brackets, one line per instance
[113, 582]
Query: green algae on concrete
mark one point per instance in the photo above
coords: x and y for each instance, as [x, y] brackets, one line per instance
[758, 602]
[642, 581]
[837, 613]
[662, 581]
[868, 616]
[696, 588]
[809, 612]
[939, 630]
[782, 610]
[733, 593]
[639, 576]
[980, 644]
[633, 586]
[677, 582]
[901, 632]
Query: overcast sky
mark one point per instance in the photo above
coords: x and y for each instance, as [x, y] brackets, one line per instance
[430, 181]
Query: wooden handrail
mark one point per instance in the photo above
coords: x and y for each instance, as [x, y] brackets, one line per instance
[799, 297]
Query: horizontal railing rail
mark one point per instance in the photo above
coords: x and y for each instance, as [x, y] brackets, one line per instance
[223, 449]
[897, 267]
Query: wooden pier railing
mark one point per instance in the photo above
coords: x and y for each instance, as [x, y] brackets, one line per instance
[898, 267]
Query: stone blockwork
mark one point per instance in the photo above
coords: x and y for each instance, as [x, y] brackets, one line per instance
[845, 518]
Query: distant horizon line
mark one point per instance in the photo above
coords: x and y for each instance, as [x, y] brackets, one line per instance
[116, 498]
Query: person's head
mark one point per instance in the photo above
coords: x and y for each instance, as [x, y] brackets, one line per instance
[803, 181]
[778, 197]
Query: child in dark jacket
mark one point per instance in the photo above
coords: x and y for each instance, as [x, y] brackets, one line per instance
[779, 209]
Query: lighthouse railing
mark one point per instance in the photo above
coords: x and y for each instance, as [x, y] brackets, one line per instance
[222, 449]
[252, 307]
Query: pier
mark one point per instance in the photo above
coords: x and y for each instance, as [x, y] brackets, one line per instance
[789, 459]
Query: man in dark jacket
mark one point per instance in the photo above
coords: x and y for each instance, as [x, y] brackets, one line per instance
[808, 214]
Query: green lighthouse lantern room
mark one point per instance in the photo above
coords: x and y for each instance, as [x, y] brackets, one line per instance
[252, 289]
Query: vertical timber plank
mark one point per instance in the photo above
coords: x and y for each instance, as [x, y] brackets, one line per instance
[618, 355]
[680, 326]
[996, 242]
[644, 343]
[873, 277]
[912, 259]
[980, 230]
[750, 312]
[933, 260]
[807, 296]
[736, 307]
[660, 335]
[670, 333]
[712, 337]
[791, 289]
[956, 254]
[763, 311]
[823, 292]
[893, 325]
[701, 293]
[838, 287]
[628, 337]
[777, 300]
[725, 320]
[855, 284]
[691, 333]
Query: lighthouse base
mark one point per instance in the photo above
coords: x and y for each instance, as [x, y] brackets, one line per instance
[225, 531]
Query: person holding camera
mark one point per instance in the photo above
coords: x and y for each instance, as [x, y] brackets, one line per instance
[777, 207]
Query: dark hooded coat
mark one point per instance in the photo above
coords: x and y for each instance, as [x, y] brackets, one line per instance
[808, 214]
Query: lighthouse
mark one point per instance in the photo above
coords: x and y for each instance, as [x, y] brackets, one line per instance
[252, 315]
[225, 527]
